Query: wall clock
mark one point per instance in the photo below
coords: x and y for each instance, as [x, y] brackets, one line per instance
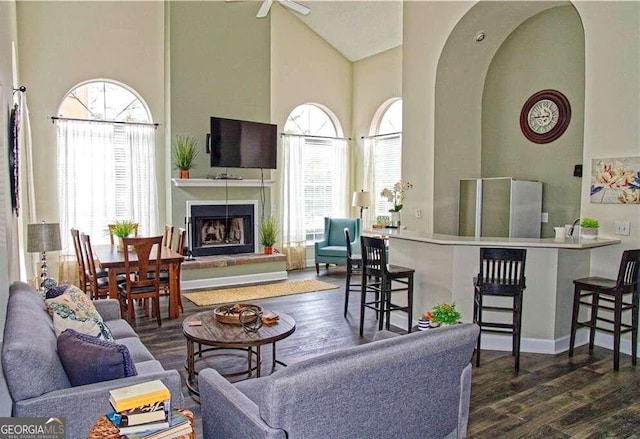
[545, 116]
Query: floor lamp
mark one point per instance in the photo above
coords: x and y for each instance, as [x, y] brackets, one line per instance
[361, 199]
[42, 238]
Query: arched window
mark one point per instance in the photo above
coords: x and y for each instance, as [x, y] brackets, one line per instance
[106, 160]
[314, 173]
[384, 153]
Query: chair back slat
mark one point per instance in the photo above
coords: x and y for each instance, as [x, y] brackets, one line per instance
[90, 263]
[137, 275]
[82, 268]
[374, 256]
[628, 273]
[502, 267]
[167, 238]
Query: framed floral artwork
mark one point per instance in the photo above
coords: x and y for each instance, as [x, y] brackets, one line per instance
[615, 180]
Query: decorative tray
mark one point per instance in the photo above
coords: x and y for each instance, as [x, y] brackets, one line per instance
[231, 313]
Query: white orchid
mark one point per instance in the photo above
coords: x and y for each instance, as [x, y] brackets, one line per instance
[396, 194]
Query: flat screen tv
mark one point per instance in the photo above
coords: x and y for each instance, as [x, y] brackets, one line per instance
[243, 144]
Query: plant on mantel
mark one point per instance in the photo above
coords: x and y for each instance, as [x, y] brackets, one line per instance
[185, 151]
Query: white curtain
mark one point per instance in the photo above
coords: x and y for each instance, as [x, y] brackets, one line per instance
[369, 216]
[143, 204]
[341, 177]
[292, 198]
[106, 172]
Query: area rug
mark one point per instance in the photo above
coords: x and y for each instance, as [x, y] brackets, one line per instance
[243, 294]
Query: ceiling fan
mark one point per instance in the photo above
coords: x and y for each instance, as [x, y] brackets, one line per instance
[294, 6]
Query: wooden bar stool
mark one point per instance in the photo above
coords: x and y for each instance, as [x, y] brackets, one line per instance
[501, 275]
[354, 267]
[611, 295]
[374, 265]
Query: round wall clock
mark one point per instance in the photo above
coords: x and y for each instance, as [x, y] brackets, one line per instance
[545, 116]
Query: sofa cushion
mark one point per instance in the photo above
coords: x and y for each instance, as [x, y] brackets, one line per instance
[30, 359]
[88, 359]
[120, 328]
[73, 309]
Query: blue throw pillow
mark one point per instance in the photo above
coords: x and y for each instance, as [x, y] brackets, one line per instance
[56, 291]
[88, 359]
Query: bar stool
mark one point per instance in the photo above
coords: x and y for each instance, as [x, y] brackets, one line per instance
[354, 266]
[501, 275]
[611, 292]
[374, 265]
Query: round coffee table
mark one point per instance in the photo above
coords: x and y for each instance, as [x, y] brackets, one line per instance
[217, 335]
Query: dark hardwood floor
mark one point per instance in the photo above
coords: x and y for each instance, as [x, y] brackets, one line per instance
[552, 396]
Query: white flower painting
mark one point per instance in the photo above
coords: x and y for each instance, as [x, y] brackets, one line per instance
[615, 181]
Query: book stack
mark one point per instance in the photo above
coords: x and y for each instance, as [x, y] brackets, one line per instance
[144, 411]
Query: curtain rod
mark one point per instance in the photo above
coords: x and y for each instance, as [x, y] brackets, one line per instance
[54, 118]
[21, 89]
[315, 137]
[382, 135]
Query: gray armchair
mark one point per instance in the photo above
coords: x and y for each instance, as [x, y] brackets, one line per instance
[411, 386]
[332, 249]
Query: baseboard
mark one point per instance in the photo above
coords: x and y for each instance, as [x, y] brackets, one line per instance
[495, 342]
[227, 281]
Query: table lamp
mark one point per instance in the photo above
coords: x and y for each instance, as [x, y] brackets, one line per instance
[361, 199]
[44, 237]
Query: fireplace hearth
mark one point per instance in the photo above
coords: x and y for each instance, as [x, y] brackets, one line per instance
[222, 228]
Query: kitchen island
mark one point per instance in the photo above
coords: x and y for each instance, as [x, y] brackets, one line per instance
[446, 265]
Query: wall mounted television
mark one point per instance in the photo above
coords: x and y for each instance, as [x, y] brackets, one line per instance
[243, 144]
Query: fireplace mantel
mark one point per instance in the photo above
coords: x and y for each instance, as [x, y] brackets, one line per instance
[209, 182]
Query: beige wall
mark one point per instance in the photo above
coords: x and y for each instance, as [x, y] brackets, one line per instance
[515, 73]
[220, 61]
[612, 83]
[64, 43]
[376, 79]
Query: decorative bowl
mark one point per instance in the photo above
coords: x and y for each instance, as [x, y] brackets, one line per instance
[231, 313]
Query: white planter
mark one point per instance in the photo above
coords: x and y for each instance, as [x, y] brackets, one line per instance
[588, 233]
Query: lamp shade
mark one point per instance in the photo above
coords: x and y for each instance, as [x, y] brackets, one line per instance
[361, 199]
[43, 237]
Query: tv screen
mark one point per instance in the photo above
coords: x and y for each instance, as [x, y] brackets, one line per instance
[243, 144]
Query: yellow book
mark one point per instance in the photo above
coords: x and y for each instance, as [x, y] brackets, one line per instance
[129, 397]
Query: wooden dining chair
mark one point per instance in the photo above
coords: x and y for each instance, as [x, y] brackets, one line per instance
[83, 281]
[138, 284]
[112, 237]
[164, 274]
[98, 283]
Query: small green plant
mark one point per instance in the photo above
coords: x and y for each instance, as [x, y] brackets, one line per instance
[268, 232]
[123, 228]
[589, 223]
[445, 313]
[185, 151]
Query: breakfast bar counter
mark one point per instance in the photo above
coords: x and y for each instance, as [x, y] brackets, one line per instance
[446, 265]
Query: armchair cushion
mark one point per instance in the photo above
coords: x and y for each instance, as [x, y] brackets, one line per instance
[332, 249]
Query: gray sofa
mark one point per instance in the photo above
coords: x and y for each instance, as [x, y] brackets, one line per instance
[411, 386]
[36, 379]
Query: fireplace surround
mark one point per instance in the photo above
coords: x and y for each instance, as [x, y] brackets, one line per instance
[219, 227]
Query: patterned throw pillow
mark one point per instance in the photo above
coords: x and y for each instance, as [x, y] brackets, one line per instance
[88, 359]
[73, 309]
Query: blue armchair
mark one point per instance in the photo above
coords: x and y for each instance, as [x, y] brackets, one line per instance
[333, 248]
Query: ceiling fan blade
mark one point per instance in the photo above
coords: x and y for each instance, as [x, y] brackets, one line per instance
[300, 9]
[264, 9]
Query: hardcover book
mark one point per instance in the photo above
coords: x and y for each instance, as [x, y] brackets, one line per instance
[178, 425]
[157, 411]
[138, 395]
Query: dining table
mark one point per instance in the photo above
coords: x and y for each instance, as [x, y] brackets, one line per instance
[112, 260]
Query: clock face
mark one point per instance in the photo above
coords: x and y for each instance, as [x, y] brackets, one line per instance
[545, 116]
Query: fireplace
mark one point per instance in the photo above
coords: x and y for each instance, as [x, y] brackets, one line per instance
[222, 228]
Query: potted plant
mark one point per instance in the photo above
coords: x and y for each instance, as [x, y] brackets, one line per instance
[445, 314]
[122, 229]
[396, 196]
[268, 234]
[185, 151]
[589, 228]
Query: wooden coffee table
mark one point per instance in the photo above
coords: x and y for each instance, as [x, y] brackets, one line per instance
[218, 336]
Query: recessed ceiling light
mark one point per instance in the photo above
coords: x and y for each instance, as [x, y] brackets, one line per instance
[479, 36]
